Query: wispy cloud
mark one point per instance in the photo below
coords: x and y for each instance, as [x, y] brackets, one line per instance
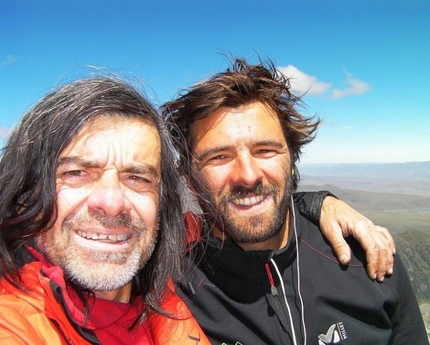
[4, 133]
[8, 60]
[355, 87]
[302, 83]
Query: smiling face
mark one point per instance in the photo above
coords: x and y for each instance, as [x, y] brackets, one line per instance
[241, 166]
[108, 185]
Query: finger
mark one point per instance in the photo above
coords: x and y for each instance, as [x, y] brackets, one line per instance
[372, 243]
[379, 247]
[339, 245]
[383, 266]
[373, 260]
[389, 240]
[389, 244]
[363, 231]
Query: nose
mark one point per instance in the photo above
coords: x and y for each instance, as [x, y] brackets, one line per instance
[107, 196]
[246, 170]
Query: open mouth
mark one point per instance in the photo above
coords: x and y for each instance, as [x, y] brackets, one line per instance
[104, 237]
[248, 201]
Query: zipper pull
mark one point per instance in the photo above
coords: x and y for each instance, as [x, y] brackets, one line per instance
[274, 291]
[273, 288]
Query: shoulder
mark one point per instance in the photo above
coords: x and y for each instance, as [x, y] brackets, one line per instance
[179, 327]
[24, 321]
[26, 317]
[312, 240]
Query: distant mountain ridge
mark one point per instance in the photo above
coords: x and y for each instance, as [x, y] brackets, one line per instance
[397, 212]
[399, 178]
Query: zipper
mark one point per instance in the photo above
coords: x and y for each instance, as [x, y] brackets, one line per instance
[275, 301]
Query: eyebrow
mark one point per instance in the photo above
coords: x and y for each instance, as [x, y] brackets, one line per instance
[218, 149]
[143, 169]
[212, 151]
[78, 161]
[140, 168]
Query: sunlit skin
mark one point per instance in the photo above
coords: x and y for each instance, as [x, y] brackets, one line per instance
[242, 165]
[108, 185]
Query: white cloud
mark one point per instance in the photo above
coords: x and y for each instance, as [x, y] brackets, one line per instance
[303, 83]
[8, 60]
[4, 133]
[355, 87]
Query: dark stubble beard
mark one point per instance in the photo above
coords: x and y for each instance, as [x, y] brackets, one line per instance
[252, 229]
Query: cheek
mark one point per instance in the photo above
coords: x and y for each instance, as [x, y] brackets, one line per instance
[277, 170]
[69, 200]
[146, 208]
[50, 238]
[213, 179]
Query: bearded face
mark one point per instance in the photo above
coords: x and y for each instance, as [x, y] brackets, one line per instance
[108, 184]
[242, 172]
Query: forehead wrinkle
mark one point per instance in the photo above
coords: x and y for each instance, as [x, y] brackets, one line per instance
[137, 168]
[79, 161]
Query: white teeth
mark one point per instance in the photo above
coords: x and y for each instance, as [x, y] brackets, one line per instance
[248, 201]
[116, 238]
[103, 237]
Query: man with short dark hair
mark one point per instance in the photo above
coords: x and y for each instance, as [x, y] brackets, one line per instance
[261, 272]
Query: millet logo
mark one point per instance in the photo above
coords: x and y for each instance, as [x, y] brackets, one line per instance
[334, 335]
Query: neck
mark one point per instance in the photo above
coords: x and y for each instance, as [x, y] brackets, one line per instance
[122, 294]
[276, 242]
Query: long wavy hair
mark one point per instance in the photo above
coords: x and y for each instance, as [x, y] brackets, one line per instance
[28, 204]
[239, 85]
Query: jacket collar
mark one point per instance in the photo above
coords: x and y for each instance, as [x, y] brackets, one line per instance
[240, 274]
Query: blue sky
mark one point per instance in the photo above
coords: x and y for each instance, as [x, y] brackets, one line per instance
[365, 63]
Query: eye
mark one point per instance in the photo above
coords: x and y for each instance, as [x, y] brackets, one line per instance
[74, 173]
[140, 183]
[74, 177]
[266, 152]
[139, 179]
[219, 157]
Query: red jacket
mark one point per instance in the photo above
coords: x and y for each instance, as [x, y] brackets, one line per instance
[37, 317]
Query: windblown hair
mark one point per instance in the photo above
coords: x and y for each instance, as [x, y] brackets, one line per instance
[28, 204]
[240, 85]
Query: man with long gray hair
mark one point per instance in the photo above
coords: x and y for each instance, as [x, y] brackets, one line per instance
[91, 228]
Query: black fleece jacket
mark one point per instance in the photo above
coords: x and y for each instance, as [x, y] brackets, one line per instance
[238, 297]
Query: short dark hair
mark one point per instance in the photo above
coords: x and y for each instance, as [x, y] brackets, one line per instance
[240, 85]
[28, 169]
